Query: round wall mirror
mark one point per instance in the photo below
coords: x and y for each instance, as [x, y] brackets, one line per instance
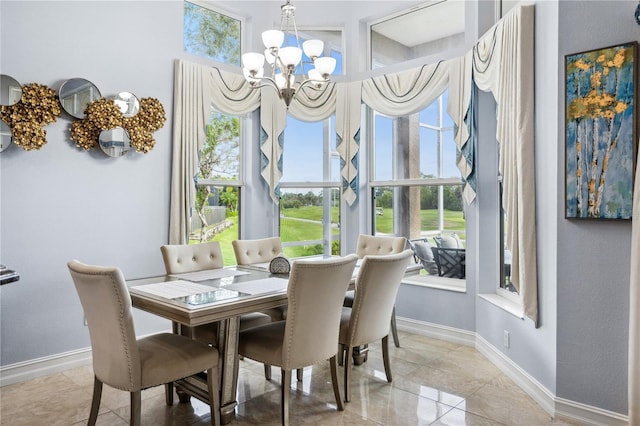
[128, 103]
[75, 94]
[5, 135]
[115, 142]
[10, 90]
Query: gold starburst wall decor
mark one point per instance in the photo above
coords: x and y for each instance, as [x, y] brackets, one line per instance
[37, 107]
[104, 114]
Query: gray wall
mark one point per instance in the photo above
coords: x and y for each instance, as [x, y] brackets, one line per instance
[61, 203]
[593, 257]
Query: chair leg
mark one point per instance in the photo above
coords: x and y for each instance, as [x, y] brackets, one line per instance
[136, 408]
[168, 393]
[267, 371]
[214, 397]
[394, 329]
[95, 402]
[286, 393]
[299, 374]
[341, 350]
[334, 380]
[385, 357]
[347, 373]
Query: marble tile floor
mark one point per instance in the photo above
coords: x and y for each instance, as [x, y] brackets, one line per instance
[434, 383]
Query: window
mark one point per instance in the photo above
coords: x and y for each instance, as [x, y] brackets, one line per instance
[436, 27]
[416, 187]
[217, 208]
[310, 189]
[211, 34]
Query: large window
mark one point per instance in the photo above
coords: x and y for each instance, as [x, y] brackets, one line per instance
[416, 187]
[211, 34]
[217, 208]
[310, 189]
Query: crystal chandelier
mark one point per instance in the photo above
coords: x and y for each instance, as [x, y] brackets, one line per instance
[284, 59]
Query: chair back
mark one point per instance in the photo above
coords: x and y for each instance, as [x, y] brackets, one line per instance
[451, 262]
[315, 292]
[107, 307]
[181, 258]
[256, 251]
[375, 245]
[376, 289]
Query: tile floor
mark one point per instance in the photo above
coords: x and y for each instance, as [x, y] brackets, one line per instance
[434, 383]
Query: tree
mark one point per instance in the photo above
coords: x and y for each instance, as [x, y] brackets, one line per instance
[219, 156]
[212, 34]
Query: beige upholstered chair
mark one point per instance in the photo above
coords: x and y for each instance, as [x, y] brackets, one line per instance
[182, 258]
[256, 251]
[126, 363]
[260, 251]
[372, 245]
[310, 332]
[368, 319]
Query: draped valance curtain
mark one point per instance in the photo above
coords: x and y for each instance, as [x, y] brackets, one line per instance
[501, 62]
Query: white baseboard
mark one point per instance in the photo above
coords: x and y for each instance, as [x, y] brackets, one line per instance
[556, 407]
[441, 332]
[39, 367]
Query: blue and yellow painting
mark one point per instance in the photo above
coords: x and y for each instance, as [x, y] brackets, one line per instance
[600, 132]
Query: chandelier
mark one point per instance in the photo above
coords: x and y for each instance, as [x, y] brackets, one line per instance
[284, 58]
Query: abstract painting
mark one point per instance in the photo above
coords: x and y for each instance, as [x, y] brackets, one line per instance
[600, 134]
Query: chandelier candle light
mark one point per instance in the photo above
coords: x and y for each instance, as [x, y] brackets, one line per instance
[284, 60]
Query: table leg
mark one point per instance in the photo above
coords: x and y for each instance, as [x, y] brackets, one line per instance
[360, 354]
[228, 330]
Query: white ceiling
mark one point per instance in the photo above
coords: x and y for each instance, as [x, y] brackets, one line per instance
[430, 21]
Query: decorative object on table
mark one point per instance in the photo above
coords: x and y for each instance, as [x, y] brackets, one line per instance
[284, 55]
[636, 15]
[138, 118]
[600, 132]
[279, 265]
[75, 94]
[37, 107]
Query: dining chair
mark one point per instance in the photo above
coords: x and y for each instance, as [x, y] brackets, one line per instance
[309, 335]
[262, 250]
[124, 362]
[378, 245]
[183, 258]
[369, 318]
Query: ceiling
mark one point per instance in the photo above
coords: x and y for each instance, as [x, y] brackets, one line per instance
[436, 20]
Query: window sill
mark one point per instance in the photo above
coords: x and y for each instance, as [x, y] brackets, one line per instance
[505, 304]
[440, 283]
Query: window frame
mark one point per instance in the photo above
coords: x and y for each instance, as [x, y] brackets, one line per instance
[453, 284]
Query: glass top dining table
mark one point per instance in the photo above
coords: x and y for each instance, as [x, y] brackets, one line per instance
[214, 296]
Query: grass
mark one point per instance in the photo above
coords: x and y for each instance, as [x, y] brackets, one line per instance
[310, 228]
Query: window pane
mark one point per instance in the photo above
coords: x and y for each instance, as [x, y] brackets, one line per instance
[416, 212]
[220, 155]
[435, 28]
[215, 218]
[309, 221]
[211, 34]
[303, 154]
[383, 149]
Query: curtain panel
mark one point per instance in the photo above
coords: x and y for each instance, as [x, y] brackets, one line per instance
[198, 89]
[502, 64]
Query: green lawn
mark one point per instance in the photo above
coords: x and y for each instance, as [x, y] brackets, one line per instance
[303, 230]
